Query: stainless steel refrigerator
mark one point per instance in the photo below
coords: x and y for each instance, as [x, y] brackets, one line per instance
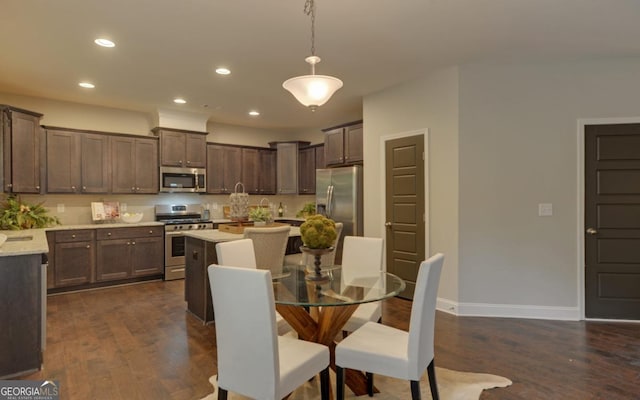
[339, 197]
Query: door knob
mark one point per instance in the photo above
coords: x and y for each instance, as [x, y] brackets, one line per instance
[591, 231]
[388, 224]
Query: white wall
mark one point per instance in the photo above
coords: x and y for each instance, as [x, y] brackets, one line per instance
[428, 103]
[504, 137]
[518, 148]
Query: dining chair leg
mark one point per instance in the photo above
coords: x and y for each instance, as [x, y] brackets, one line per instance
[222, 394]
[325, 384]
[339, 383]
[415, 390]
[370, 384]
[431, 372]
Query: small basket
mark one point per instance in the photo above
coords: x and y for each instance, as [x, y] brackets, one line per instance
[239, 204]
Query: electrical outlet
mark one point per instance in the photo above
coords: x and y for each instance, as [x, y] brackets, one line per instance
[545, 210]
[60, 208]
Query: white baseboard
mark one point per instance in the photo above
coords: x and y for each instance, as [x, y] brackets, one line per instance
[508, 310]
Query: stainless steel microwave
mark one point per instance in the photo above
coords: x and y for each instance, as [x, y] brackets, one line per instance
[176, 179]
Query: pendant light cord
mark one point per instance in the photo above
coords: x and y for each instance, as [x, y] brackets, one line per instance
[310, 9]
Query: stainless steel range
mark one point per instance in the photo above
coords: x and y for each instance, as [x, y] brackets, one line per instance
[178, 218]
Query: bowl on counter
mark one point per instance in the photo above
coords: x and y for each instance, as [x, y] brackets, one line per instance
[131, 218]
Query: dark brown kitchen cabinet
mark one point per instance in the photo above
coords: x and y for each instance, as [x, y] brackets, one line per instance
[343, 145]
[74, 257]
[224, 168]
[134, 165]
[251, 170]
[268, 163]
[77, 162]
[310, 159]
[179, 148]
[21, 137]
[124, 253]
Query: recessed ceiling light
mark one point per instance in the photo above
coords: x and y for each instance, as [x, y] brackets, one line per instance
[222, 71]
[104, 42]
[254, 113]
[179, 101]
[86, 85]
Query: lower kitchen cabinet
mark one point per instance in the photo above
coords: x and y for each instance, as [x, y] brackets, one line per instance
[129, 252]
[85, 258]
[74, 257]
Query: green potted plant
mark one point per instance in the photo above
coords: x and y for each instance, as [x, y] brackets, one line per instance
[307, 210]
[318, 232]
[260, 216]
[16, 214]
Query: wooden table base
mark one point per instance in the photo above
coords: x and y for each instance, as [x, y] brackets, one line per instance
[330, 321]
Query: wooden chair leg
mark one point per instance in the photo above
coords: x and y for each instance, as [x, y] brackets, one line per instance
[222, 394]
[431, 372]
[339, 383]
[415, 390]
[370, 384]
[325, 384]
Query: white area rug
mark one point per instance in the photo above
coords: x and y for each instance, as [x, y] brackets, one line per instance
[452, 385]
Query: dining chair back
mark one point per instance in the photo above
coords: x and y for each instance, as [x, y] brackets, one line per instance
[269, 245]
[260, 366]
[381, 349]
[362, 259]
[239, 253]
[236, 253]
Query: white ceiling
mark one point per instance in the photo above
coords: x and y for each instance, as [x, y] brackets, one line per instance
[169, 48]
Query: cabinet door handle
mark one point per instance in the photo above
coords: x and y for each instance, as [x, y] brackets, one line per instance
[151, 232]
[88, 246]
[195, 255]
[133, 243]
[84, 188]
[73, 188]
[180, 162]
[188, 162]
[133, 189]
[137, 189]
[108, 233]
[37, 187]
[73, 236]
[128, 243]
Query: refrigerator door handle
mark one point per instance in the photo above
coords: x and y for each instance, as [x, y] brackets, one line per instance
[329, 201]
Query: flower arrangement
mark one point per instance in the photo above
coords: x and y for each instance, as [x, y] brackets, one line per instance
[318, 232]
[16, 215]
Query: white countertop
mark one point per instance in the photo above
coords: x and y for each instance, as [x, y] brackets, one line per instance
[214, 235]
[37, 244]
[100, 226]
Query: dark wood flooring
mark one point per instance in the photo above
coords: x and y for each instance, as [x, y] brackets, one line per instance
[138, 342]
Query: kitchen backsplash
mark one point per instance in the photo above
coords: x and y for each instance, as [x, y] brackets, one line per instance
[76, 209]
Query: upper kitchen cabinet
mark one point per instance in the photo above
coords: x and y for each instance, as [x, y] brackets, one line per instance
[343, 145]
[224, 168]
[287, 166]
[21, 134]
[309, 159]
[251, 170]
[268, 168]
[77, 161]
[179, 148]
[134, 165]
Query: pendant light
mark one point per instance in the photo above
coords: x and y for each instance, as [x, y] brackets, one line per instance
[312, 90]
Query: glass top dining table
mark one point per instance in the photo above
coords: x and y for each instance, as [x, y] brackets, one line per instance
[335, 288]
[317, 307]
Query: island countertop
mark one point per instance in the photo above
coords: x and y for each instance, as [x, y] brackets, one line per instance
[24, 242]
[215, 235]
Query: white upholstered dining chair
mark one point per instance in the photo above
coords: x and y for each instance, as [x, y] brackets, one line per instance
[261, 366]
[380, 349]
[239, 253]
[269, 245]
[361, 257]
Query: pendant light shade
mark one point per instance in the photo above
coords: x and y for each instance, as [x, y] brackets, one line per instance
[312, 90]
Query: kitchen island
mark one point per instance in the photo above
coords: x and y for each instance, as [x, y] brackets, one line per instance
[200, 252]
[22, 302]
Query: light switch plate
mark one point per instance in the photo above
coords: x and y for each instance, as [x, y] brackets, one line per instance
[545, 210]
